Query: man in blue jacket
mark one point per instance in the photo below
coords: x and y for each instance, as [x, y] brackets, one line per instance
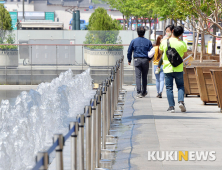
[140, 46]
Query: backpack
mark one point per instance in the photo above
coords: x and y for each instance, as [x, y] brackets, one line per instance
[173, 56]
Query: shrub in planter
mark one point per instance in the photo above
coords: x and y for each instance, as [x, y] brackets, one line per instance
[102, 30]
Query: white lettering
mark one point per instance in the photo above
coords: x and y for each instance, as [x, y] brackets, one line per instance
[151, 155]
[192, 156]
[160, 157]
[212, 155]
[202, 155]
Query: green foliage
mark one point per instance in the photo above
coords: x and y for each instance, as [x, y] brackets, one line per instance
[5, 19]
[103, 30]
[6, 37]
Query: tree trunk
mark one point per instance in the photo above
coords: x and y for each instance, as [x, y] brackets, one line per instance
[193, 45]
[220, 49]
[155, 30]
[202, 52]
[175, 22]
[150, 29]
[124, 27]
[164, 26]
[145, 22]
[183, 27]
[214, 41]
[171, 21]
[136, 23]
[131, 24]
[196, 44]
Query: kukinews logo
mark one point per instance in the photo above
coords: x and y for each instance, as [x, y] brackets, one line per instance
[181, 155]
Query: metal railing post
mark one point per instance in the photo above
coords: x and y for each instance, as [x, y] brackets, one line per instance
[108, 105]
[104, 91]
[122, 76]
[45, 157]
[93, 135]
[115, 90]
[98, 126]
[88, 113]
[59, 151]
[112, 93]
[80, 137]
[74, 144]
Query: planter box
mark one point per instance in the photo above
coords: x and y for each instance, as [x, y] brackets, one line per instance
[190, 81]
[205, 84]
[8, 58]
[102, 57]
[217, 82]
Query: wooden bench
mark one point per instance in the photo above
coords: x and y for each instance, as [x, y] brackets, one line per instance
[205, 83]
[190, 82]
[217, 82]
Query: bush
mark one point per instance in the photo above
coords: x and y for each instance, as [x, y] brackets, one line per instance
[103, 30]
[6, 36]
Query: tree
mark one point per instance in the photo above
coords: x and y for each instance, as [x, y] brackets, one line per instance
[207, 13]
[5, 23]
[103, 30]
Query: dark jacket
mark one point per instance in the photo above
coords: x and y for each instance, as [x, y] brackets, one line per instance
[141, 46]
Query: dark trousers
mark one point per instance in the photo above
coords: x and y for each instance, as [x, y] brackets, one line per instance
[141, 69]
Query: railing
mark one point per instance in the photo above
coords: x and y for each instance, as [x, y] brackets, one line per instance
[31, 64]
[97, 119]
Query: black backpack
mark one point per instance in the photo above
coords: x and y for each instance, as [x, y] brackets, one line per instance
[173, 56]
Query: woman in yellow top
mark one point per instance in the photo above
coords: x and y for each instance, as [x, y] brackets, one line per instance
[160, 76]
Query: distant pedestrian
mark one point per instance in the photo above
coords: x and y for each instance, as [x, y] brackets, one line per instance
[171, 72]
[160, 75]
[140, 46]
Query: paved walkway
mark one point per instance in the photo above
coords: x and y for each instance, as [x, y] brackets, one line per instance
[146, 126]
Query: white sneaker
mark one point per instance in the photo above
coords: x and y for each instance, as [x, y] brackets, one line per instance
[157, 71]
[182, 107]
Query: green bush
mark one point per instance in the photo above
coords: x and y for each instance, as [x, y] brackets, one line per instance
[6, 36]
[103, 30]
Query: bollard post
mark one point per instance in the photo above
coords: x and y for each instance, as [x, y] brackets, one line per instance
[116, 89]
[59, 151]
[112, 93]
[81, 121]
[98, 126]
[104, 116]
[74, 125]
[88, 113]
[108, 105]
[45, 157]
[122, 73]
[93, 134]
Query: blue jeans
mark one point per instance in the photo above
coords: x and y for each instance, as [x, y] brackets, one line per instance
[178, 76]
[159, 79]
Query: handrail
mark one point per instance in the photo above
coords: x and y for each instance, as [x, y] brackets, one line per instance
[66, 44]
[108, 91]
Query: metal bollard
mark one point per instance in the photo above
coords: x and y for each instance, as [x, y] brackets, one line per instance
[115, 88]
[108, 105]
[74, 144]
[45, 160]
[112, 94]
[98, 126]
[104, 116]
[93, 135]
[59, 151]
[121, 73]
[88, 113]
[80, 137]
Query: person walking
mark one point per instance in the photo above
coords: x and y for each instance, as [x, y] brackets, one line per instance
[160, 75]
[140, 46]
[169, 31]
[171, 72]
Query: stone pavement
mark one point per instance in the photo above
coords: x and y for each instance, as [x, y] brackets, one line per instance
[146, 126]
